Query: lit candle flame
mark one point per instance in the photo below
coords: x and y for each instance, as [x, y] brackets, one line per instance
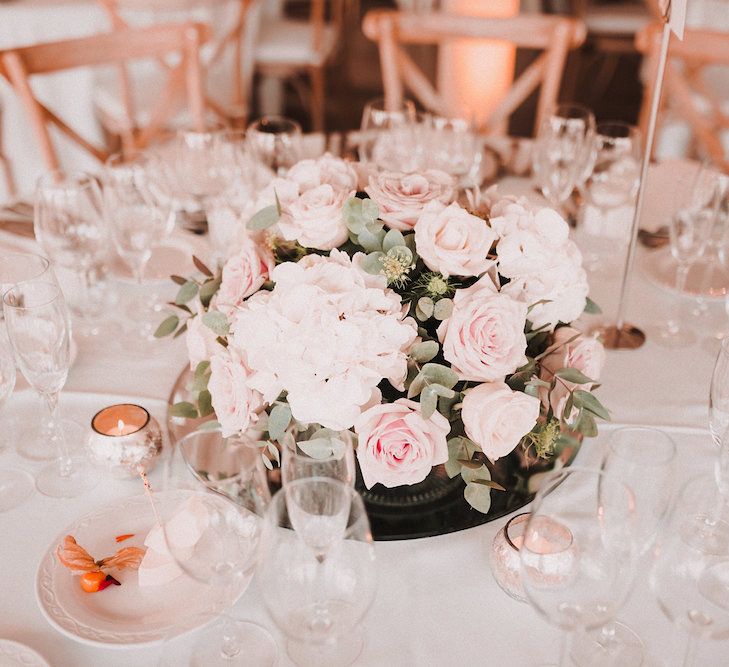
[120, 427]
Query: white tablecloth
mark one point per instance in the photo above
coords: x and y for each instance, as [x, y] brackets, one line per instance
[437, 602]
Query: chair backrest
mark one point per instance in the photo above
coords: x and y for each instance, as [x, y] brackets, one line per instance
[20, 64]
[686, 91]
[553, 35]
[234, 36]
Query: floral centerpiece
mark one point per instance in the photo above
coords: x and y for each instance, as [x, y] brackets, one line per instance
[437, 334]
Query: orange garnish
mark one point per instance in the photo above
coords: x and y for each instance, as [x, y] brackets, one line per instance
[91, 581]
[75, 557]
[121, 538]
[128, 557]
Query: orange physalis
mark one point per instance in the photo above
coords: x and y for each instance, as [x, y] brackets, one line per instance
[126, 536]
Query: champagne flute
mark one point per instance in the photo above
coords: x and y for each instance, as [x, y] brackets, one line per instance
[318, 590]
[578, 554]
[219, 486]
[690, 573]
[275, 141]
[719, 394]
[317, 452]
[68, 223]
[631, 451]
[37, 321]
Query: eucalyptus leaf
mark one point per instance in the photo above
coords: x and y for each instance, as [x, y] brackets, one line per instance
[212, 425]
[187, 292]
[266, 461]
[428, 402]
[393, 239]
[216, 322]
[478, 497]
[471, 465]
[424, 351]
[416, 386]
[426, 306]
[265, 218]
[439, 374]
[491, 484]
[180, 331]
[316, 448]
[278, 420]
[591, 308]
[370, 210]
[208, 290]
[200, 382]
[200, 266]
[584, 399]
[205, 403]
[201, 368]
[273, 451]
[443, 309]
[573, 375]
[371, 240]
[471, 473]
[586, 424]
[178, 280]
[167, 326]
[184, 409]
[372, 264]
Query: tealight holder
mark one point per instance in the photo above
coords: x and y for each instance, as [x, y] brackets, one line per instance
[125, 440]
[505, 557]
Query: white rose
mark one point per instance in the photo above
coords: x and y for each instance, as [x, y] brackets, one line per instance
[496, 417]
[328, 169]
[243, 274]
[402, 197]
[452, 241]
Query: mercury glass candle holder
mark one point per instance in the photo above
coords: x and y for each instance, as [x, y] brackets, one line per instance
[505, 557]
[125, 440]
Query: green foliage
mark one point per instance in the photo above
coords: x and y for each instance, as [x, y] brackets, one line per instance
[265, 218]
[187, 292]
[424, 351]
[217, 322]
[167, 326]
[278, 420]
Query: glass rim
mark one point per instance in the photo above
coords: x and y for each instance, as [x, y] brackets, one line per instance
[119, 435]
[524, 516]
[630, 130]
[56, 288]
[645, 429]
[14, 253]
[378, 104]
[256, 125]
[572, 106]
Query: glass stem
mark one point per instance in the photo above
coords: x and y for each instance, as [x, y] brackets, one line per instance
[607, 637]
[681, 275]
[230, 644]
[692, 644]
[57, 435]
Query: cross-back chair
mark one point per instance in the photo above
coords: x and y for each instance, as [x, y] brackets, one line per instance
[21, 64]
[686, 90]
[234, 37]
[555, 36]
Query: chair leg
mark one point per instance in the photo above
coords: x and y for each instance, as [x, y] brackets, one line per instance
[9, 180]
[316, 74]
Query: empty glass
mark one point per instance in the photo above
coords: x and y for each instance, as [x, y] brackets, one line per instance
[453, 146]
[275, 142]
[578, 554]
[68, 222]
[318, 574]
[390, 139]
[631, 451]
[213, 529]
[719, 394]
[38, 328]
[318, 452]
[19, 267]
[690, 574]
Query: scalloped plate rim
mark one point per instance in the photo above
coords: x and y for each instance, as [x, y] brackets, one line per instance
[40, 660]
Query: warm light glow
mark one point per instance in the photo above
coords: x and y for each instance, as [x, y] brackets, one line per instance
[475, 75]
[120, 426]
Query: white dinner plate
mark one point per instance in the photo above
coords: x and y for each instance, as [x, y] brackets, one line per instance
[14, 653]
[125, 616]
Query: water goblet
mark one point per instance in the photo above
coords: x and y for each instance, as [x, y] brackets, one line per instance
[578, 119]
[68, 223]
[630, 452]
[389, 138]
[317, 452]
[275, 141]
[578, 553]
[318, 590]
[453, 146]
[690, 573]
[38, 327]
[220, 485]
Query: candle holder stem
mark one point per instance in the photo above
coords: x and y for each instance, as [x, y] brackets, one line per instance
[148, 493]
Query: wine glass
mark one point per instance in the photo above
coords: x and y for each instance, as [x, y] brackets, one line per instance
[453, 146]
[318, 452]
[558, 158]
[631, 451]
[319, 572]
[389, 138]
[612, 184]
[219, 486]
[139, 216]
[578, 119]
[15, 484]
[690, 573]
[38, 327]
[275, 141]
[719, 394]
[578, 554]
[68, 223]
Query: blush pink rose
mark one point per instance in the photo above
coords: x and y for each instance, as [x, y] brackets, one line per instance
[397, 446]
[452, 241]
[315, 218]
[243, 274]
[484, 339]
[200, 340]
[585, 354]
[496, 417]
[236, 405]
[402, 197]
[328, 169]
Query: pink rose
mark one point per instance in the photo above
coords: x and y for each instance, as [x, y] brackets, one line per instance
[234, 402]
[243, 275]
[200, 340]
[484, 339]
[315, 218]
[328, 169]
[397, 446]
[402, 197]
[452, 241]
[585, 354]
[496, 418]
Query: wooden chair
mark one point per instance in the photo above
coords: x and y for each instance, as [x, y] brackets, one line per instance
[10, 190]
[553, 35]
[20, 64]
[235, 39]
[290, 47]
[686, 92]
